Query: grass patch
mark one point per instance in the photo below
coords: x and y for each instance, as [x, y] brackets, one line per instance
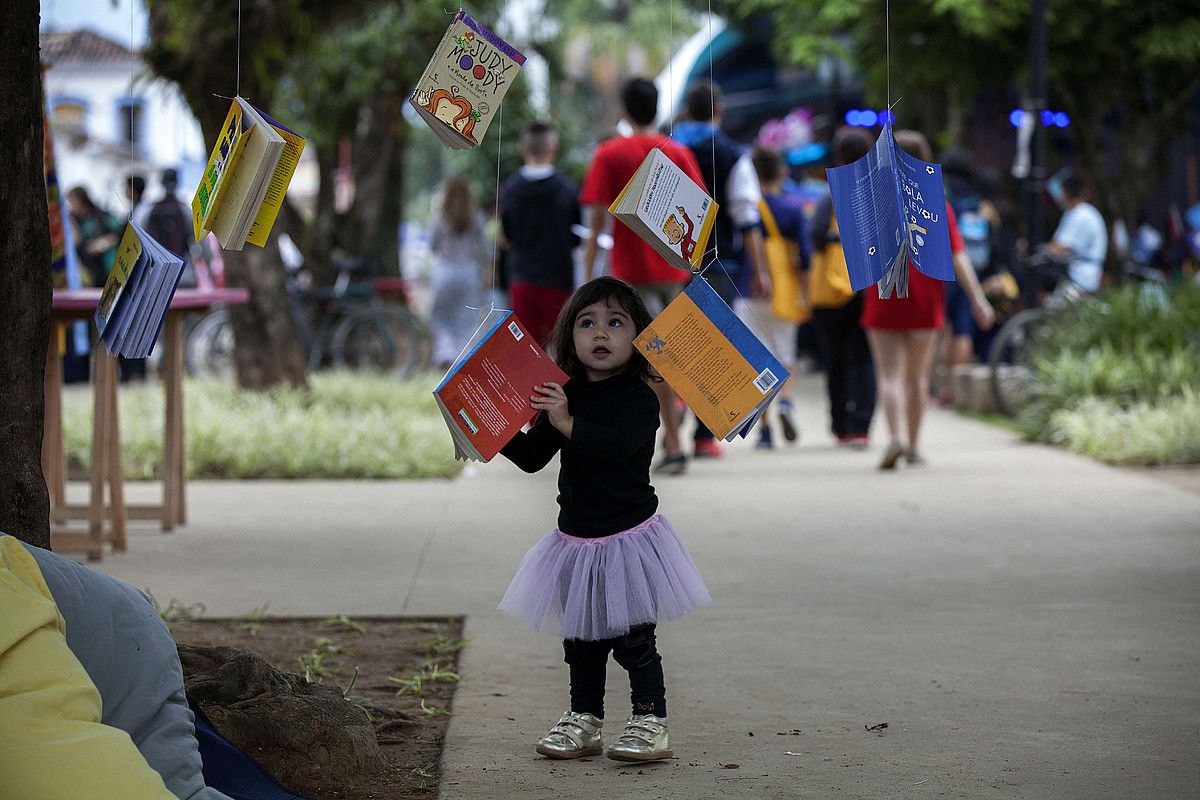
[1119, 379]
[349, 425]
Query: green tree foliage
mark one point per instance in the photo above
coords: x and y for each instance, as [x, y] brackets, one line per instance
[1126, 68]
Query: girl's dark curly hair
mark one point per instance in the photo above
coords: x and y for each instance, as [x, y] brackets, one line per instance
[562, 340]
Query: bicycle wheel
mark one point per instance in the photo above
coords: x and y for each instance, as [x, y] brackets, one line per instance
[379, 339]
[209, 346]
[1010, 359]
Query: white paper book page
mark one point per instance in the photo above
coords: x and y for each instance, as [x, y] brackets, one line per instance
[672, 206]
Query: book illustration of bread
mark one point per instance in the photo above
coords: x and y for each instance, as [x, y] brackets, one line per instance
[453, 109]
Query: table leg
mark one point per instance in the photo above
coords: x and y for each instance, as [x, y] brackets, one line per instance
[101, 362]
[116, 472]
[172, 510]
[53, 461]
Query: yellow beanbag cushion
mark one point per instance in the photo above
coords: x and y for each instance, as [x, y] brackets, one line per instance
[52, 744]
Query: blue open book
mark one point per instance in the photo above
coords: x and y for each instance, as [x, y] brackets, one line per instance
[136, 295]
[891, 208]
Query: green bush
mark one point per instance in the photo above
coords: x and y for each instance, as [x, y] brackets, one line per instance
[1116, 378]
[349, 425]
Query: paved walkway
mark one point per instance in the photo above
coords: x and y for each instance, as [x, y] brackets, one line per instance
[1027, 622]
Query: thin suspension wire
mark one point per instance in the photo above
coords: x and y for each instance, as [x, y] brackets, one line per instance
[238, 87]
[712, 110]
[887, 43]
[496, 240]
[671, 66]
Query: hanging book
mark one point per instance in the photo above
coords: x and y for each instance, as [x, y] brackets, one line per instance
[246, 178]
[136, 295]
[465, 82]
[712, 361]
[485, 394]
[662, 205]
[891, 208]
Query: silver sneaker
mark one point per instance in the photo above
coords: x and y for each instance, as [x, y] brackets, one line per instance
[575, 736]
[644, 739]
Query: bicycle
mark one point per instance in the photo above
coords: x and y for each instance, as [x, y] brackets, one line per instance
[1024, 335]
[347, 325]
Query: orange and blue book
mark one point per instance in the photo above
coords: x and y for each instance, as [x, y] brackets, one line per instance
[484, 396]
[712, 360]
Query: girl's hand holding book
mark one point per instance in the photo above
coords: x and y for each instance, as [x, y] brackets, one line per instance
[551, 398]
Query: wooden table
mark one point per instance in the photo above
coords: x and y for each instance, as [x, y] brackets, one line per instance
[105, 522]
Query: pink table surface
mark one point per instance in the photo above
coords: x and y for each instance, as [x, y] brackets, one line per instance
[88, 299]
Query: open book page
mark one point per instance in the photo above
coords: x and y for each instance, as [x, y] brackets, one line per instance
[486, 394]
[465, 81]
[866, 203]
[671, 208]
[293, 146]
[712, 360]
[128, 253]
[224, 158]
[923, 204]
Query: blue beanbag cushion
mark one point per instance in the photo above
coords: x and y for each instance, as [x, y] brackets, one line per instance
[115, 632]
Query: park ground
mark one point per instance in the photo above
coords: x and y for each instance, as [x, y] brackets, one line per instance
[1025, 620]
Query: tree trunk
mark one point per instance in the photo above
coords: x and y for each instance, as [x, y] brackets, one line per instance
[268, 351]
[24, 280]
[267, 318]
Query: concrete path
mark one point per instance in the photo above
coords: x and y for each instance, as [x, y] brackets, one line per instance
[1026, 622]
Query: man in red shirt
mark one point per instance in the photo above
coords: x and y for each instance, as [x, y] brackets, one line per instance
[631, 259]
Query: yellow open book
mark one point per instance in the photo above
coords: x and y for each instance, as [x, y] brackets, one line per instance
[246, 179]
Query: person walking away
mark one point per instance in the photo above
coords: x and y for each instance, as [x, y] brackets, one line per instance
[631, 259]
[538, 208]
[978, 222]
[614, 567]
[786, 249]
[902, 332]
[97, 235]
[737, 261]
[1080, 237]
[169, 221]
[461, 254]
[837, 311]
[135, 190]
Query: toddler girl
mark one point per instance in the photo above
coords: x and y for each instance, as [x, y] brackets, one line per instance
[614, 566]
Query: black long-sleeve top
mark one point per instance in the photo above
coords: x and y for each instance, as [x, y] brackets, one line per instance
[604, 476]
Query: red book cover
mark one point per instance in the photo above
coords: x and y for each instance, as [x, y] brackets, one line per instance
[485, 395]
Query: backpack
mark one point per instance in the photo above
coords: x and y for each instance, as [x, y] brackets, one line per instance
[829, 279]
[169, 226]
[788, 297]
[975, 228]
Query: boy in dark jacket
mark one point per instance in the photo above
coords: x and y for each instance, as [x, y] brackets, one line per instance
[538, 208]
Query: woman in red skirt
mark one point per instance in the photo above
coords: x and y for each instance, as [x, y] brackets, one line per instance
[902, 332]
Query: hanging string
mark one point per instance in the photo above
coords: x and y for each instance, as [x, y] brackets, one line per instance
[712, 105]
[887, 45]
[238, 86]
[496, 239]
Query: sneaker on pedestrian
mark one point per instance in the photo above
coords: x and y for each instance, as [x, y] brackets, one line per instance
[786, 424]
[576, 735]
[644, 739]
[708, 448]
[891, 456]
[672, 465]
[914, 459]
[764, 439]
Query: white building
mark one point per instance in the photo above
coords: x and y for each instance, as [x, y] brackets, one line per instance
[111, 117]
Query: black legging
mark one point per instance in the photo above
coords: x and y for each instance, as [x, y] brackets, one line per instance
[850, 376]
[636, 652]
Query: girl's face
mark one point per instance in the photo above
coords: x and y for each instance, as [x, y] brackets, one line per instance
[603, 335]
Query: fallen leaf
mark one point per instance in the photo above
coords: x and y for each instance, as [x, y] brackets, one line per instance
[731, 766]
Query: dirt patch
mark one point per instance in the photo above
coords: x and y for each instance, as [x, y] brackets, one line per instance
[407, 671]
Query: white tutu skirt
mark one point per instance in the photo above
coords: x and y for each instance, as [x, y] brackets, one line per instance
[600, 588]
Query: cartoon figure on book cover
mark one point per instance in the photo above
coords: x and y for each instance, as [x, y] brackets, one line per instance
[452, 109]
[676, 233]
